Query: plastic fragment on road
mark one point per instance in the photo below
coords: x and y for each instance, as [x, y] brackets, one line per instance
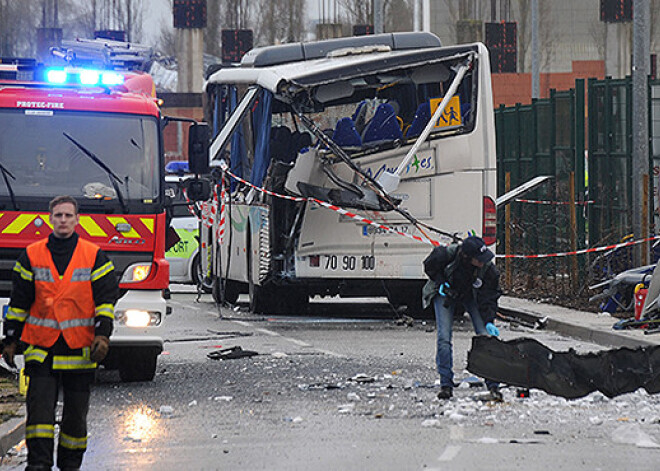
[525, 362]
[230, 353]
[166, 411]
[632, 434]
[362, 378]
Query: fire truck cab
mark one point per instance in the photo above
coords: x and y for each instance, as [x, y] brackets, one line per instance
[95, 135]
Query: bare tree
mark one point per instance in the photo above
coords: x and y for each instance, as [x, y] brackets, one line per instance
[357, 12]
[523, 15]
[398, 15]
[236, 14]
[18, 24]
[280, 21]
[122, 15]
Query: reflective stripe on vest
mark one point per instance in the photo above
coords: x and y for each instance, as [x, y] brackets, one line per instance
[61, 362]
[63, 304]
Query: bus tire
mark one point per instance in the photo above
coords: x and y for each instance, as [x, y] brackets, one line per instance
[197, 277]
[259, 298]
[231, 291]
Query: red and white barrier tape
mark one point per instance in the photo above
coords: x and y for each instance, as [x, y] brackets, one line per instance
[191, 205]
[559, 203]
[220, 234]
[583, 251]
[424, 239]
[337, 209]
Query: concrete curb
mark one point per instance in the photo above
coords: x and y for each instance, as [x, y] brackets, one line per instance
[12, 432]
[586, 326]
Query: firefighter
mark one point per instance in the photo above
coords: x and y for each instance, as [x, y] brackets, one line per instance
[62, 310]
[461, 277]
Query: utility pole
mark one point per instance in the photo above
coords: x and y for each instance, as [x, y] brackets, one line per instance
[378, 16]
[640, 124]
[535, 50]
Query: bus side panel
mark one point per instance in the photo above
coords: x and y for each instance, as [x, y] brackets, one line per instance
[350, 249]
[236, 254]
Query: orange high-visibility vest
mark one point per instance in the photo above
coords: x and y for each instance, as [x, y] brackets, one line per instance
[62, 305]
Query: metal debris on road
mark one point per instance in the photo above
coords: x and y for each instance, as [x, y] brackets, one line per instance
[527, 363]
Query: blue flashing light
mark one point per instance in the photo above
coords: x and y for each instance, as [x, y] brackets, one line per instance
[57, 76]
[85, 77]
[177, 166]
[112, 78]
[88, 77]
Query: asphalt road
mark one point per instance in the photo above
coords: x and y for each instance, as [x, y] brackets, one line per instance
[341, 391]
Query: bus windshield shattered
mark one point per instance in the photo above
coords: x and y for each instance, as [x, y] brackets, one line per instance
[343, 161]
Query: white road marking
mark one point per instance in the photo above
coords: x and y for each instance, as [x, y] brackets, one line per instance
[450, 453]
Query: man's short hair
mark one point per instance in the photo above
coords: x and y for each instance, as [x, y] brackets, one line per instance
[62, 199]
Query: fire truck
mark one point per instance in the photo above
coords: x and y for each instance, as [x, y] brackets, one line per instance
[94, 134]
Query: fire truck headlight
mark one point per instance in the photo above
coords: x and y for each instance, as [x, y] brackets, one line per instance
[136, 273]
[137, 318]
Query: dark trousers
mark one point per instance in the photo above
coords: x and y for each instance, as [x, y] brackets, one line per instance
[41, 401]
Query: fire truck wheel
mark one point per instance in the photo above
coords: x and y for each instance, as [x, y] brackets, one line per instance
[138, 367]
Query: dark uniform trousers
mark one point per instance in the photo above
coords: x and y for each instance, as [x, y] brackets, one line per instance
[42, 395]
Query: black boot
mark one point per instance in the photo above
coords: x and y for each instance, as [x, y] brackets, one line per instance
[446, 392]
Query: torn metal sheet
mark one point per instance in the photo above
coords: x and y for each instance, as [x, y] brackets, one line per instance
[528, 363]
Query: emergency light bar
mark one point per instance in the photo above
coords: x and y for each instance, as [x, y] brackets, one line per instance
[85, 77]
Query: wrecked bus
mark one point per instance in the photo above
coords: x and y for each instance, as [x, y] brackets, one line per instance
[343, 162]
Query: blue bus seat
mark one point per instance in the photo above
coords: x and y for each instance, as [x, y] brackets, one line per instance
[383, 127]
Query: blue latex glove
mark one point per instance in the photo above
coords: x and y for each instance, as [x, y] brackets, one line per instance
[492, 330]
[443, 287]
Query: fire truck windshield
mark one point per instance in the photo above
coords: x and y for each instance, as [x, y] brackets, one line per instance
[36, 148]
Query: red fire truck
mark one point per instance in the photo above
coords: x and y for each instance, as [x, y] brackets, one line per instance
[95, 135]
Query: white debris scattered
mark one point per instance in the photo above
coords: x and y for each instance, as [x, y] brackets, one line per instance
[632, 434]
[431, 423]
[351, 396]
[279, 355]
[166, 411]
[223, 398]
[297, 420]
[192, 403]
[457, 417]
[487, 440]
[345, 408]
[595, 420]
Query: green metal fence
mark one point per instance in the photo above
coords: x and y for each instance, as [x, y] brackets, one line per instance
[548, 138]
[544, 138]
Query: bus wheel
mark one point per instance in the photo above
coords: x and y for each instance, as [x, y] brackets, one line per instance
[198, 277]
[259, 298]
[231, 291]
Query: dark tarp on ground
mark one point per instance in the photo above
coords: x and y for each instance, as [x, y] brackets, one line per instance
[528, 363]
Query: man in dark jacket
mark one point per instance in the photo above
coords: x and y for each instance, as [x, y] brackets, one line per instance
[62, 306]
[461, 276]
